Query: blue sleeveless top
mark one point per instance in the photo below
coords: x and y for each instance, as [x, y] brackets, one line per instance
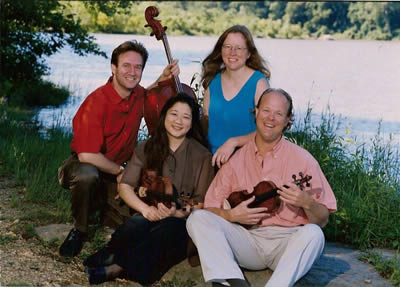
[231, 118]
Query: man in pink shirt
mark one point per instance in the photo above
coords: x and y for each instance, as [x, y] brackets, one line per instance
[288, 239]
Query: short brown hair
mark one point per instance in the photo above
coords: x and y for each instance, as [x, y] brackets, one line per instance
[127, 46]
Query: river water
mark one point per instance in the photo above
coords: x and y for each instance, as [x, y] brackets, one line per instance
[358, 81]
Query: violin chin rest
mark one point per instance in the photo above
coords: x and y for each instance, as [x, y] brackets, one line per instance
[226, 205]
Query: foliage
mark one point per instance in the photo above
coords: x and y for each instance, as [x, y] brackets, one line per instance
[387, 268]
[31, 30]
[34, 93]
[350, 20]
[365, 179]
[366, 183]
[34, 160]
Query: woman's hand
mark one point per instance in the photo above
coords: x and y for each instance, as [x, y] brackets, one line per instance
[223, 153]
[165, 211]
[151, 213]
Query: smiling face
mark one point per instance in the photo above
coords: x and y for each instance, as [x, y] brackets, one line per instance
[178, 121]
[234, 51]
[128, 73]
[271, 118]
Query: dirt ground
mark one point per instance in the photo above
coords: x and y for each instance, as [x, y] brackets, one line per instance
[24, 259]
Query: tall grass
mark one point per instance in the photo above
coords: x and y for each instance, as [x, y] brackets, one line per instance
[365, 182]
[34, 160]
[365, 178]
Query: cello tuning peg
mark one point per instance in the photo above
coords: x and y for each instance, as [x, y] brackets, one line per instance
[301, 174]
[308, 184]
[294, 177]
[151, 34]
[147, 25]
[165, 28]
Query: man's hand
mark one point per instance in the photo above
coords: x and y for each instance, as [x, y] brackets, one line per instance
[293, 195]
[170, 70]
[316, 212]
[223, 153]
[248, 216]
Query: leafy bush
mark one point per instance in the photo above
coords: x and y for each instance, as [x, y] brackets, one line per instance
[35, 93]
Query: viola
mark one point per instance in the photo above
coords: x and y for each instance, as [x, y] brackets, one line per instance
[154, 189]
[158, 96]
[266, 193]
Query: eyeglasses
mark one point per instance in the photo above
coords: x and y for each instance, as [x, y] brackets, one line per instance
[236, 48]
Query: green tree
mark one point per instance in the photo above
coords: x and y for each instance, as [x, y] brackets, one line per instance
[31, 30]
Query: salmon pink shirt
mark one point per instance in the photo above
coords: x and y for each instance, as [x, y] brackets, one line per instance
[247, 168]
[108, 124]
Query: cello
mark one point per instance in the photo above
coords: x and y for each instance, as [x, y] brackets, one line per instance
[157, 97]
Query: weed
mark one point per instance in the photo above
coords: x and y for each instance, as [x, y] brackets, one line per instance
[387, 268]
[19, 284]
[175, 282]
[5, 239]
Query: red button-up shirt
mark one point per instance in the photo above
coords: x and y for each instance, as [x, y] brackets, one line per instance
[108, 124]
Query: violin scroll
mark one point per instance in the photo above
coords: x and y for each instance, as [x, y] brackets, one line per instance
[158, 30]
[304, 179]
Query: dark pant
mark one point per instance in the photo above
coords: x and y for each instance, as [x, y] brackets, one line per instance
[88, 189]
[147, 250]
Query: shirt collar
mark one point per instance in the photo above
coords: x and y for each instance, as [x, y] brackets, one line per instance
[181, 148]
[114, 96]
[275, 150]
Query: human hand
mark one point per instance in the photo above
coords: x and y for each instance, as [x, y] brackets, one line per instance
[151, 213]
[165, 211]
[223, 153]
[248, 216]
[293, 195]
[171, 70]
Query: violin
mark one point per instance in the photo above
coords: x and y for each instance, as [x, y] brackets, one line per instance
[154, 189]
[266, 194]
[158, 96]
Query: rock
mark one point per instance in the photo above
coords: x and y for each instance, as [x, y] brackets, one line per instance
[337, 267]
[53, 231]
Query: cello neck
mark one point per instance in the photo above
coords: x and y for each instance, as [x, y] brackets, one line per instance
[177, 82]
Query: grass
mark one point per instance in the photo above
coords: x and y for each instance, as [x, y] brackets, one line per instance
[5, 239]
[365, 178]
[387, 268]
[365, 182]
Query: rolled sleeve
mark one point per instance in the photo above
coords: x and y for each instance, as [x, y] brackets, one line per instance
[220, 188]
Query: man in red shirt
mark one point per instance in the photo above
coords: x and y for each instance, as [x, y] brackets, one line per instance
[105, 130]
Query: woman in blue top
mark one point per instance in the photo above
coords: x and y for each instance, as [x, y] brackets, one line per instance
[234, 77]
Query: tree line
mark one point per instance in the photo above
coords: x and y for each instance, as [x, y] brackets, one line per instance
[266, 19]
[31, 30]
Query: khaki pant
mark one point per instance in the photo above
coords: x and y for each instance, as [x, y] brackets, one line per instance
[91, 191]
[224, 247]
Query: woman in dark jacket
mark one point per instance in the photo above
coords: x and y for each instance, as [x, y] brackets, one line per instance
[148, 244]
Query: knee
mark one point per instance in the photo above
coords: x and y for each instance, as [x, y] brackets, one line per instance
[87, 174]
[197, 218]
[313, 233]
